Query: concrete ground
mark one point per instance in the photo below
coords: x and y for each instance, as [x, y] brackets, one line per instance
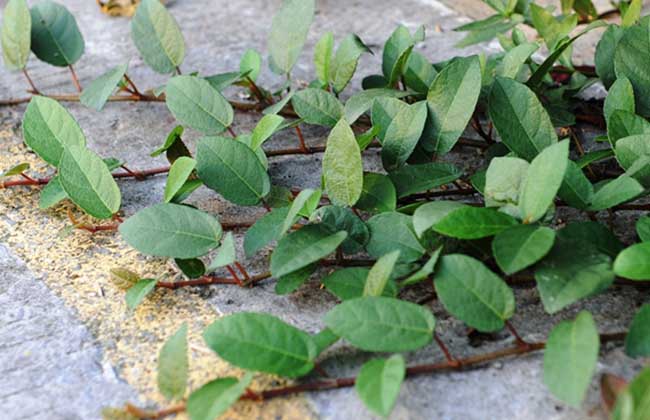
[68, 344]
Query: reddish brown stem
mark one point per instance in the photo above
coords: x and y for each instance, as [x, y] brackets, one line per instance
[234, 275]
[134, 89]
[520, 341]
[232, 132]
[258, 92]
[30, 81]
[75, 79]
[209, 280]
[301, 139]
[445, 350]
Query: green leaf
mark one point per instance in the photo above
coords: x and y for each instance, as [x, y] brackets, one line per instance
[425, 271]
[614, 192]
[576, 188]
[396, 53]
[303, 247]
[570, 358]
[472, 293]
[392, 231]
[51, 194]
[220, 81]
[266, 229]
[139, 291]
[324, 339]
[451, 100]
[342, 166]
[402, 135]
[99, 90]
[514, 59]
[520, 119]
[574, 269]
[316, 106]
[16, 34]
[431, 213]
[473, 223]
[637, 341]
[264, 129]
[292, 281]
[379, 382]
[288, 33]
[344, 63]
[194, 102]
[485, 30]
[55, 35]
[214, 398]
[173, 137]
[279, 105]
[157, 37]
[323, 57]
[521, 246]
[545, 176]
[349, 283]
[191, 267]
[619, 97]
[226, 253]
[88, 182]
[419, 73]
[632, 14]
[504, 180]
[643, 228]
[630, 149]
[605, 53]
[251, 64]
[634, 262]
[173, 365]
[630, 60]
[262, 343]
[593, 233]
[15, 170]
[411, 179]
[304, 198]
[232, 169]
[624, 124]
[179, 172]
[380, 274]
[633, 403]
[382, 324]
[48, 128]
[362, 101]
[337, 219]
[377, 194]
[171, 230]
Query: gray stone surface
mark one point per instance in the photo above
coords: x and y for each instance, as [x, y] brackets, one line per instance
[50, 366]
[217, 33]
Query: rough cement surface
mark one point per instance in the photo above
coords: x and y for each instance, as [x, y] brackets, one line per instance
[74, 267]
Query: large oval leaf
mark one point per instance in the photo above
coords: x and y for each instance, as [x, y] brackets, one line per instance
[316, 106]
[288, 33]
[157, 37]
[521, 246]
[16, 34]
[402, 135]
[396, 53]
[173, 365]
[349, 283]
[172, 230]
[232, 169]
[451, 100]
[473, 223]
[570, 358]
[631, 60]
[382, 324]
[88, 183]
[377, 194]
[520, 119]
[634, 262]
[214, 398]
[303, 247]
[194, 102]
[393, 231]
[55, 35]
[473, 293]
[342, 166]
[344, 62]
[262, 343]
[48, 128]
[379, 382]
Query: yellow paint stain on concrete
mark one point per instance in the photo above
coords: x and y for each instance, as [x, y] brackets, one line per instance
[75, 267]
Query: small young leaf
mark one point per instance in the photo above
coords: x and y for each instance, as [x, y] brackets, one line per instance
[316, 106]
[473, 223]
[543, 181]
[379, 274]
[173, 137]
[451, 100]
[520, 119]
[16, 34]
[392, 231]
[515, 58]
[570, 358]
[303, 247]
[473, 293]
[139, 291]
[379, 382]
[226, 253]
[173, 365]
[179, 172]
[88, 182]
[396, 53]
[171, 230]
[191, 267]
[264, 129]
[402, 135]
[266, 229]
[48, 128]
[15, 170]
[55, 35]
[349, 283]
[51, 194]
[194, 102]
[288, 33]
[262, 343]
[344, 63]
[123, 278]
[214, 398]
[232, 169]
[637, 341]
[157, 37]
[99, 90]
[634, 262]
[377, 194]
[362, 101]
[614, 192]
[342, 166]
[304, 198]
[633, 403]
[250, 64]
[521, 246]
[382, 324]
[425, 271]
[323, 57]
